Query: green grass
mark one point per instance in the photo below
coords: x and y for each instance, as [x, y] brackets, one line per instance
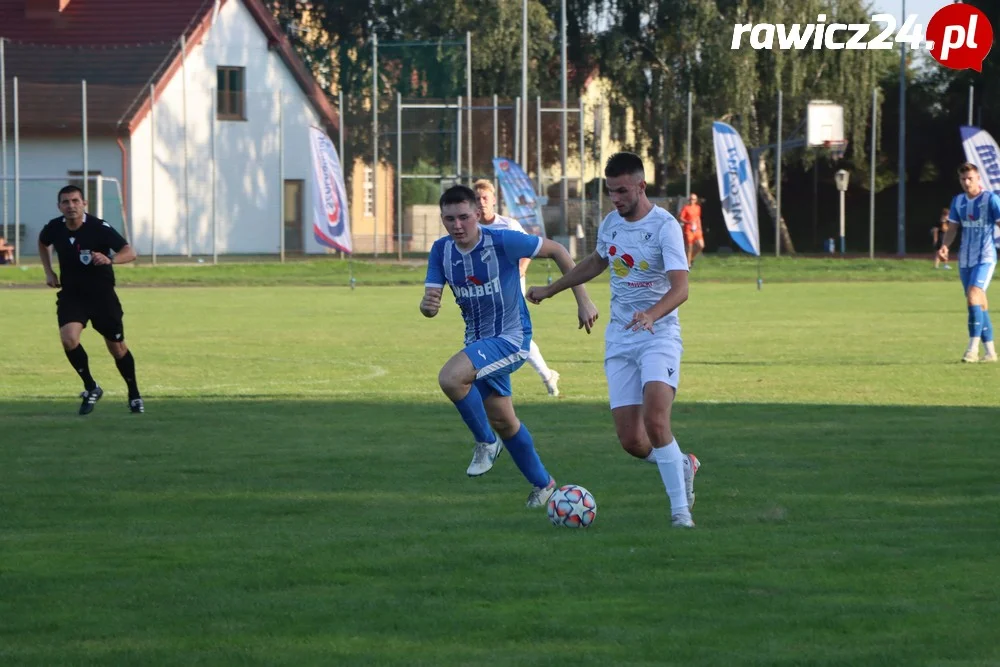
[295, 494]
[338, 272]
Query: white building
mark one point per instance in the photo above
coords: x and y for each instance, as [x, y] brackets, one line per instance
[199, 108]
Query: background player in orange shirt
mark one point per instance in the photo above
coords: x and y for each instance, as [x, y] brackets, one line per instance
[694, 240]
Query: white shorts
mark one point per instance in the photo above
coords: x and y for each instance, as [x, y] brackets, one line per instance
[630, 366]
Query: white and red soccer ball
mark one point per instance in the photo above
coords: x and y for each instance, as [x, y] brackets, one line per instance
[572, 506]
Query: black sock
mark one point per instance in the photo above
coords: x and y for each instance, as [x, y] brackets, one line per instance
[126, 366]
[78, 359]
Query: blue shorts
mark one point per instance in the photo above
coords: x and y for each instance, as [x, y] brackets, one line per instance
[979, 276]
[495, 359]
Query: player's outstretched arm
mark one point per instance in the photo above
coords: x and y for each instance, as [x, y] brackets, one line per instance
[668, 303]
[431, 303]
[949, 237]
[572, 278]
[592, 266]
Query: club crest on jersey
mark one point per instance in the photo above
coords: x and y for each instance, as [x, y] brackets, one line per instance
[72, 239]
[647, 236]
[85, 257]
[486, 255]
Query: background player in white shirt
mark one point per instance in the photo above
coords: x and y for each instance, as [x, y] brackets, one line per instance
[977, 212]
[487, 197]
[643, 245]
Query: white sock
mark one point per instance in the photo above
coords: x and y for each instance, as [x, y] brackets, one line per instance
[651, 457]
[991, 351]
[670, 461]
[537, 362]
[973, 346]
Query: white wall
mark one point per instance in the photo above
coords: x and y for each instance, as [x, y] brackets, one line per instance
[54, 159]
[247, 194]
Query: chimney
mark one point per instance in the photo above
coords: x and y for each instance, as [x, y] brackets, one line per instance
[44, 9]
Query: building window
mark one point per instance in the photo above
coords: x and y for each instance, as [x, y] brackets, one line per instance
[90, 192]
[369, 192]
[617, 126]
[232, 93]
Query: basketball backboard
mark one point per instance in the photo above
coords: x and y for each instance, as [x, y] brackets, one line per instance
[824, 123]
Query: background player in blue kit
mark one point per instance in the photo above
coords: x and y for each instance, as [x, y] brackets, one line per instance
[481, 267]
[977, 212]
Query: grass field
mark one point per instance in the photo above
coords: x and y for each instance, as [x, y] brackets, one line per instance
[337, 272]
[295, 493]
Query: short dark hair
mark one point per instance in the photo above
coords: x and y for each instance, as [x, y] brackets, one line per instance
[457, 194]
[70, 189]
[967, 167]
[624, 164]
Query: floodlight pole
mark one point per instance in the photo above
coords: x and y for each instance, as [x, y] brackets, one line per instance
[600, 163]
[523, 115]
[86, 148]
[687, 185]
[17, 174]
[972, 97]
[871, 185]
[152, 172]
[375, 143]
[538, 142]
[3, 129]
[517, 130]
[777, 216]
[281, 179]
[468, 97]
[564, 97]
[901, 200]
[399, 174]
[187, 157]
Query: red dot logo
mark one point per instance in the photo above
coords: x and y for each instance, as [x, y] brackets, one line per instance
[612, 250]
[961, 36]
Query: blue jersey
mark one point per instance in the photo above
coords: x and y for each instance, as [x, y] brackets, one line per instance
[978, 217]
[486, 283]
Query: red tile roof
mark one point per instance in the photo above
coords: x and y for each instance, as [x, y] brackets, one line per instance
[119, 47]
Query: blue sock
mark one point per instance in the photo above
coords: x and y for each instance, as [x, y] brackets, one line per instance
[522, 450]
[474, 415]
[987, 334]
[975, 321]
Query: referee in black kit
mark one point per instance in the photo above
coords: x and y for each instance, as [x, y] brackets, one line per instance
[88, 247]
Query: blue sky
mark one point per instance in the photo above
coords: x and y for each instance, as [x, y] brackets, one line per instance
[924, 9]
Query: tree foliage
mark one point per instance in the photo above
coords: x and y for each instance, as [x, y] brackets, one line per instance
[655, 52]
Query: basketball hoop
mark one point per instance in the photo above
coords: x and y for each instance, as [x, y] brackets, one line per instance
[837, 149]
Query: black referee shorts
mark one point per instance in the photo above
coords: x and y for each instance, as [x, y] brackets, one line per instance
[103, 311]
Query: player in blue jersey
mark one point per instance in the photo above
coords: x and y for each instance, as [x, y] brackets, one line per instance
[977, 212]
[481, 267]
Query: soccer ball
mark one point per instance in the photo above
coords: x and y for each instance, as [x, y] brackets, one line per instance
[572, 506]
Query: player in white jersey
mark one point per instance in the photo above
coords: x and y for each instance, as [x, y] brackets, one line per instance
[480, 266]
[487, 198]
[977, 212]
[643, 245]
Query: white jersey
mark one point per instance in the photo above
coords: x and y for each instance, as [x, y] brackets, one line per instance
[503, 222]
[639, 255]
